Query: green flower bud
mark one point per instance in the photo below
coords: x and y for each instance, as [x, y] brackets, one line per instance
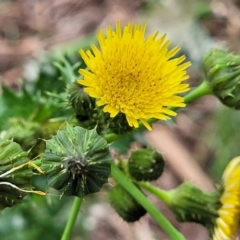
[77, 161]
[125, 205]
[191, 204]
[15, 174]
[145, 165]
[22, 132]
[222, 71]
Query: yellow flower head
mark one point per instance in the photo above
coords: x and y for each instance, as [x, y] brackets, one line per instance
[134, 75]
[228, 213]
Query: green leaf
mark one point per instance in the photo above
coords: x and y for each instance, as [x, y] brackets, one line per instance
[13, 104]
[13, 172]
[57, 68]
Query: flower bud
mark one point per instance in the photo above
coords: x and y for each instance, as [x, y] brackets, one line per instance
[191, 204]
[76, 161]
[222, 71]
[83, 105]
[125, 205]
[145, 165]
[218, 211]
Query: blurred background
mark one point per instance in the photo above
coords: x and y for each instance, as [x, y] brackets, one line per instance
[197, 145]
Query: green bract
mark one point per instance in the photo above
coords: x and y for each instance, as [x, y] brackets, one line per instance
[76, 161]
[83, 105]
[88, 114]
[190, 204]
[15, 174]
[222, 71]
[146, 165]
[125, 205]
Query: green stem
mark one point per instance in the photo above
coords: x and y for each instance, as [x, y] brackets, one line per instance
[163, 195]
[201, 90]
[72, 218]
[111, 137]
[141, 199]
[37, 162]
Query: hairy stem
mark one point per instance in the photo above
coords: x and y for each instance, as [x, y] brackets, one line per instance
[163, 195]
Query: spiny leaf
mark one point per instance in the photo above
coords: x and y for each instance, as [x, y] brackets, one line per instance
[15, 174]
[13, 104]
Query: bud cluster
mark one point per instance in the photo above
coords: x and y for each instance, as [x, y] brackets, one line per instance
[143, 165]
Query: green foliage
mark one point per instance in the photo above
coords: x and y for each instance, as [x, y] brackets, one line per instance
[24, 117]
[36, 218]
[57, 68]
[13, 104]
[36, 111]
[15, 174]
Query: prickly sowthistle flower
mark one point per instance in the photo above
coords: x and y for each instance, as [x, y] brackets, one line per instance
[133, 75]
[228, 214]
[218, 211]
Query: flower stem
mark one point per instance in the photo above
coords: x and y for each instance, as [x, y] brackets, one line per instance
[203, 89]
[141, 199]
[163, 195]
[72, 218]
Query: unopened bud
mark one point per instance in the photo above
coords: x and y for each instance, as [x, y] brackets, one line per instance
[125, 205]
[222, 71]
[145, 165]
